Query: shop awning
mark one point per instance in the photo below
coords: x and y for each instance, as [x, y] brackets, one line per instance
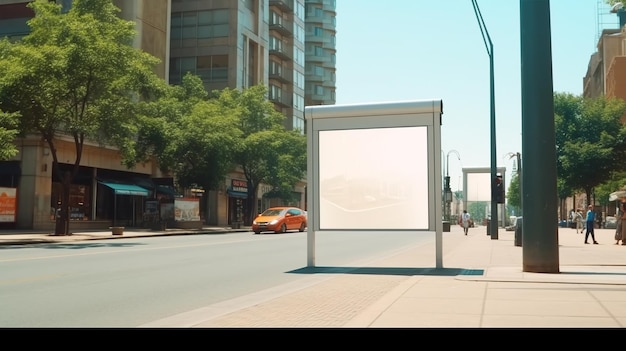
[126, 189]
[617, 195]
[237, 194]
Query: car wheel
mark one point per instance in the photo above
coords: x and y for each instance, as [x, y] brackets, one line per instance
[257, 232]
[302, 226]
[283, 228]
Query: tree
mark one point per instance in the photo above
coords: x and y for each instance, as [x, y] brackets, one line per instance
[514, 194]
[590, 141]
[478, 210]
[267, 152]
[76, 75]
[8, 132]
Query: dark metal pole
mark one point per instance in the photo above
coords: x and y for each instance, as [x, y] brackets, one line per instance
[493, 221]
[519, 179]
[539, 195]
[494, 203]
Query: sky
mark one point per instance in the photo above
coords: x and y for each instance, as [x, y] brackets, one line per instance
[433, 49]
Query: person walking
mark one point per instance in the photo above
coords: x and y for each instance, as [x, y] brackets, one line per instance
[465, 220]
[620, 230]
[590, 221]
[578, 218]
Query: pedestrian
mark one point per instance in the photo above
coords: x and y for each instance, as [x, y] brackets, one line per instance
[466, 221]
[579, 220]
[590, 222]
[620, 230]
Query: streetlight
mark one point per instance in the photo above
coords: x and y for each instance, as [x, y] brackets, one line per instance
[447, 190]
[493, 223]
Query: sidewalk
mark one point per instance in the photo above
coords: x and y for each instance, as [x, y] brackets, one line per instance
[23, 237]
[481, 285]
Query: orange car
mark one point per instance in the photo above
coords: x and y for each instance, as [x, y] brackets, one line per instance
[280, 220]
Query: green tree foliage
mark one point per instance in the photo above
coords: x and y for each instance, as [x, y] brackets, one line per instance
[478, 211]
[268, 153]
[514, 194]
[8, 132]
[590, 141]
[76, 75]
[192, 136]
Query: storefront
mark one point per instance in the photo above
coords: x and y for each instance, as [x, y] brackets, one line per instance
[237, 196]
[9, 179]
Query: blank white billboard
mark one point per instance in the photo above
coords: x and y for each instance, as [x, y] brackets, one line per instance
[373, 178]
[478, 187]
[374, 166]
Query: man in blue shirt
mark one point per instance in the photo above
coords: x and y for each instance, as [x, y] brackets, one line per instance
[591, 218]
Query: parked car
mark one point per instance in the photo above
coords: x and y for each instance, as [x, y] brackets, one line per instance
[610, 223]
[280, 220]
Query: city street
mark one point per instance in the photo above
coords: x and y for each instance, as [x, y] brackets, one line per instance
[129, 282]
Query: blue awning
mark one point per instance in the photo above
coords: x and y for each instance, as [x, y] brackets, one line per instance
[126, 189]
[237, 194]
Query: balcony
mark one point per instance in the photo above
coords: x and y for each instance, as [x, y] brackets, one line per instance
[282, 29]
[283, 5]
[280, 77]
[280, 101]
[280, 53]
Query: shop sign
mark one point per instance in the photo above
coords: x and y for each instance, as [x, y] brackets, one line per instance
[240, 186]
[7, 204]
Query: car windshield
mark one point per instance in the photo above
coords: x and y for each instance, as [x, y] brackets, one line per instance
[271, 212]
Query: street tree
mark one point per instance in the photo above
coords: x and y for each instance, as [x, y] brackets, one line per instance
[76, 76]
[193, 136]
[514, 194]
[603, 191]
[590, 141]
[267, 153]
[8, 133]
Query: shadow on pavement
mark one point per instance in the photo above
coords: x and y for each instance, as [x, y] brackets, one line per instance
[405, 271]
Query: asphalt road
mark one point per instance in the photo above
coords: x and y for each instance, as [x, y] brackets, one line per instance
[132, 282]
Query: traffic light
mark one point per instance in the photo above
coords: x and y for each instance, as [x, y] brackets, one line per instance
[499, 195]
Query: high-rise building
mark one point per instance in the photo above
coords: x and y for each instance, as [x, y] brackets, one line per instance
[320, 52]
[606, 71]
[287, 45]
[93, 204]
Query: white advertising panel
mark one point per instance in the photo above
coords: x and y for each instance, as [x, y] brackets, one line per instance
[373, 178]
[374, 166]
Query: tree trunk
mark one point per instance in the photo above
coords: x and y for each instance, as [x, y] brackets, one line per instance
[62, 221]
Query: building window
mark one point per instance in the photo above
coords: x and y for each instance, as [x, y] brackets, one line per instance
[275, 93]
[80, 201]
[298, 56]
[298, 102]
[276, 44]
[201, 24]
[299, 79]
[209, 68]
[318, 71]
[299, 11]
[298, 124]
